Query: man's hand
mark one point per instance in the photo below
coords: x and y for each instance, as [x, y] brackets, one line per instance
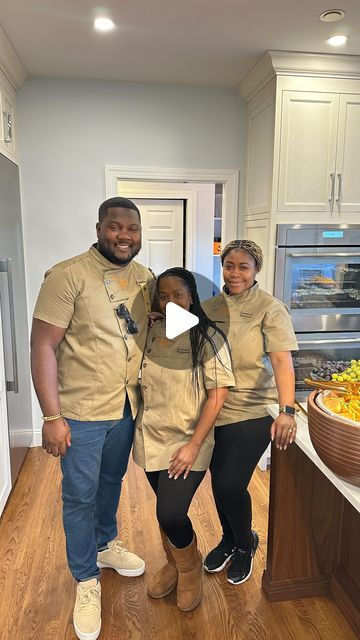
[56, 437]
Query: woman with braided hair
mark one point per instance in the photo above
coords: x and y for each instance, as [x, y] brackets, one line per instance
[184, 384]
[261, 337]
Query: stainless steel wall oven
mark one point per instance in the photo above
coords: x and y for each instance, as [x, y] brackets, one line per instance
[317, 275]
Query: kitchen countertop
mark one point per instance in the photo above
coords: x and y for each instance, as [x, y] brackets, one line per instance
[349, 491]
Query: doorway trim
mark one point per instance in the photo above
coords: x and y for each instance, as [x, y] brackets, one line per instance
[151, 190]
[228, 178]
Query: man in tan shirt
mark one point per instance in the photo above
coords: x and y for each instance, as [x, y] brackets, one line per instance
[88, 336]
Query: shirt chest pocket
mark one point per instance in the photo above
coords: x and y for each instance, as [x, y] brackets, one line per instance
[119, 288]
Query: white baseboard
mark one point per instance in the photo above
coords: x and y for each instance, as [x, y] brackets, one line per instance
[37, 439]
[20, 438]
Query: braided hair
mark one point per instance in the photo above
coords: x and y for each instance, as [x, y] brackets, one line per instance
[200, 333]
[246, 245]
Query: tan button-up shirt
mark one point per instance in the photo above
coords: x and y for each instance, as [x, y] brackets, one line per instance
[256, 324]
[171, 405]
[98, 361]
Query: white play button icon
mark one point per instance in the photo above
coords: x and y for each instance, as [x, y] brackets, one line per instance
[178, 320]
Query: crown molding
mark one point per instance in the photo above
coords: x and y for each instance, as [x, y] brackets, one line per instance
[283, 63]
[10, 63]
[262, 73]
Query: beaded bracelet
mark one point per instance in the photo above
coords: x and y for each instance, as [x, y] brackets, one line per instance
[50, 418]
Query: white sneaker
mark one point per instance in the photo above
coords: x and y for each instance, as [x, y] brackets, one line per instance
[118, 558]
[87, 610]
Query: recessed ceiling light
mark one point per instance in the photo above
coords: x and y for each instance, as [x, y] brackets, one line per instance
[103, 24]
[338, 40]
[332, 15]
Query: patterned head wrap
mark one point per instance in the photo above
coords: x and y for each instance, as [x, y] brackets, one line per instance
[246, 245]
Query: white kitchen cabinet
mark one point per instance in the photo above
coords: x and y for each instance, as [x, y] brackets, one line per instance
[320, 134]
[7, 121]
[347, 189]
[303, 136]
[257, 229]
[5, 474]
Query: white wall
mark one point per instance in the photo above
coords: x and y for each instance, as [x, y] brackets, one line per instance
[69, 130]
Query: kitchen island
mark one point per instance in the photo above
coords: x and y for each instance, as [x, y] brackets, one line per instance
[314, 529]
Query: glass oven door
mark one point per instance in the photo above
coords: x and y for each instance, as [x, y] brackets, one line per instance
[321, 287]
[316, 350]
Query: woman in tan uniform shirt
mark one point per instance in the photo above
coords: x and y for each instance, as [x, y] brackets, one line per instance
[184, 384]
[261, 338]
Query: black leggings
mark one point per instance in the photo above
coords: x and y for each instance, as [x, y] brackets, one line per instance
[173, 499]
[238, 448]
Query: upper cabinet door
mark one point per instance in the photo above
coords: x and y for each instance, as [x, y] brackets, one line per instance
[7, 124]
[347, 190]
[307, 158]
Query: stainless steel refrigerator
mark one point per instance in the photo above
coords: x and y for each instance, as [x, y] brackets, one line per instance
[14, 316]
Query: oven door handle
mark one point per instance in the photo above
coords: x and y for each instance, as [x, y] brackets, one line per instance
[324, 255]
[327, 341]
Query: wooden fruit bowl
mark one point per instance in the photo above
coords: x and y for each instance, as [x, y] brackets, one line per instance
[335, 441]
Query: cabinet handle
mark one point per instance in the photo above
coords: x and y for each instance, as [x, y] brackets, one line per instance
[332, 190]
[339, 175]
[8, 126]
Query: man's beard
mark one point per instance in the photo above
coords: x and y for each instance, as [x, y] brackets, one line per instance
[109, 255]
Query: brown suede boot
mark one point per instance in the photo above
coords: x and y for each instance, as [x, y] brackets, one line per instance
[190, 574]
[164, 581]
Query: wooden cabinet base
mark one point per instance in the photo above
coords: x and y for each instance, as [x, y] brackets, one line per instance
[297, 588]
[313, 537]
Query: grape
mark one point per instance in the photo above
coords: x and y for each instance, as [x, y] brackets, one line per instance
[350, 373]
[339, 370]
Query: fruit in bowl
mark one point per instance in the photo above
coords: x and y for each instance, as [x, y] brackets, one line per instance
[344, 405]
[335, 437]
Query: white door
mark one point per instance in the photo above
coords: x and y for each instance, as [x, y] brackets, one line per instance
[347, 192]
[5, 475]
[308, 151]
[162, 224]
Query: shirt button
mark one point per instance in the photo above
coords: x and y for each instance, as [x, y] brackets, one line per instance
[144, 387]
[111, 297]
[129, 359]
[144, 365]
[125, 337]
[149, 351]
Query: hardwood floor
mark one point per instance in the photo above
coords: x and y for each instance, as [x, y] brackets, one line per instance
[37, 590]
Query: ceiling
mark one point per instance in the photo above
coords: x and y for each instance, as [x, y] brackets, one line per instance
[200, 42]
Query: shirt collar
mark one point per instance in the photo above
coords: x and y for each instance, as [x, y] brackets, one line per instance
[106, 264]
[240, 297]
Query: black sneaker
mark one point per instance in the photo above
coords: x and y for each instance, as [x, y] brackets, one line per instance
[218, 558]
[242, 562]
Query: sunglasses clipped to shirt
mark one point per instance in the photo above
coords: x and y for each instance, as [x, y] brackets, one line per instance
[123, 312]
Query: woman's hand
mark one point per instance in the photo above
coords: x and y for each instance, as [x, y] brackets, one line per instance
[153, 317]
[182, 460]
[283, 430]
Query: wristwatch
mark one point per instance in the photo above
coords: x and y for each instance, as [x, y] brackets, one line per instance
[290, 411]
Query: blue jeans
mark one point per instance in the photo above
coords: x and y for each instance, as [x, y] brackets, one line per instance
[93, 469]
